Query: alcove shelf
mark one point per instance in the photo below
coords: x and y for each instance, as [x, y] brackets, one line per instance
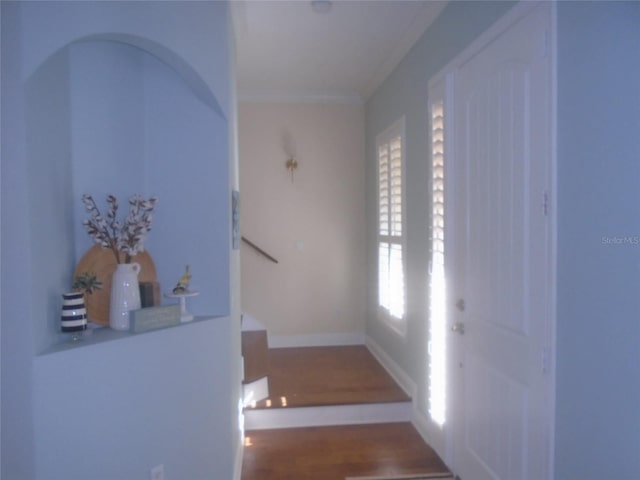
[112, 118]
[98, 334]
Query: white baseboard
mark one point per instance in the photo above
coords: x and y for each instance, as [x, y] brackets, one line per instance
[421, 422]
[398, 374]
[327, 415]
[316, 340]
[428, 431]
[419, 418]
[425, 428]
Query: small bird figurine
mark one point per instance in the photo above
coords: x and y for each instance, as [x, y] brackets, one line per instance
[183, 284]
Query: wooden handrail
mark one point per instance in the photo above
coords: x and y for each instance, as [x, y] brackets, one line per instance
[258, 249]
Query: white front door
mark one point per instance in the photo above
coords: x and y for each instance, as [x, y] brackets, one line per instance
[500, 245]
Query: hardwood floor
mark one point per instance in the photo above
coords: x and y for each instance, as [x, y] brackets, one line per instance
[317, 376]
[334, 453]
[314, 376]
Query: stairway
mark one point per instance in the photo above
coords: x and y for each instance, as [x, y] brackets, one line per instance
[317, 386]
[329, 413]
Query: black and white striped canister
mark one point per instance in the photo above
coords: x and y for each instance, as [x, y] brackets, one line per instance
[74, 312]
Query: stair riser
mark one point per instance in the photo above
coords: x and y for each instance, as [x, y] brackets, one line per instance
[327, 415]
[255, 391]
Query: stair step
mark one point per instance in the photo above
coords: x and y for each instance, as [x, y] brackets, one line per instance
[255, 352]
[326, 415]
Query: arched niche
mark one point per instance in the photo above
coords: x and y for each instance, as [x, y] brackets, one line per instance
[120, 114]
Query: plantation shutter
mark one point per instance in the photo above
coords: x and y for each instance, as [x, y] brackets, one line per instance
[390, 226]
[383, 192]
[437, 227]
[395, 182]
[437, 294]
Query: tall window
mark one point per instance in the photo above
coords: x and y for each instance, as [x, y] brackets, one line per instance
[390, 147]
[437, 294]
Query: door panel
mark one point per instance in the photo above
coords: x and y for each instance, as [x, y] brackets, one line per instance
[496, 438]
[501, 245]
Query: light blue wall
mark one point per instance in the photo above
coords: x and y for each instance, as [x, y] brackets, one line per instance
[55, 118]
[114, 410]
[598, 311]
[107, 126]
[187, 166]
[177, 31]
[598, 332]
[236, 369]
[138, 127]
[49, 177]
[17, 332]
[405, 93]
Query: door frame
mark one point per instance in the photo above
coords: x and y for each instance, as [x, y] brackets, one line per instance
[445, 77]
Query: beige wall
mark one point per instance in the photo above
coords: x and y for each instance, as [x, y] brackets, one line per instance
[314, 227]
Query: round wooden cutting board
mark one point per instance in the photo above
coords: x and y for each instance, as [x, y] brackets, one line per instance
[102, 262]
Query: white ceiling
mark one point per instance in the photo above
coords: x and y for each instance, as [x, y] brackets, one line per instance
[285, 50]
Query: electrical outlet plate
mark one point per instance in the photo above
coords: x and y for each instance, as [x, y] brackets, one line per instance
[157, 472]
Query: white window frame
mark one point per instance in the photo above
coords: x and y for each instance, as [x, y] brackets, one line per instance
[396, 322]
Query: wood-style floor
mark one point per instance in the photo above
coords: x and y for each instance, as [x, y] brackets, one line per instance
[332, 376]
[314, 376]
[334, 453]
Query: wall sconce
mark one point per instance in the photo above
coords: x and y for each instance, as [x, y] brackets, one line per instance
[292, 165]
[289, 148]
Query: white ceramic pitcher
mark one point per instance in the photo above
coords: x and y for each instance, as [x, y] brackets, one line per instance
[125, 295]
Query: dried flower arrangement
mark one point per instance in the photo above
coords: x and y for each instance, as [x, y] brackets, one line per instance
[127, 236]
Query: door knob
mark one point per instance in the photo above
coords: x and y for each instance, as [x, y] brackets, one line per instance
[460, 304]
[458, 327]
